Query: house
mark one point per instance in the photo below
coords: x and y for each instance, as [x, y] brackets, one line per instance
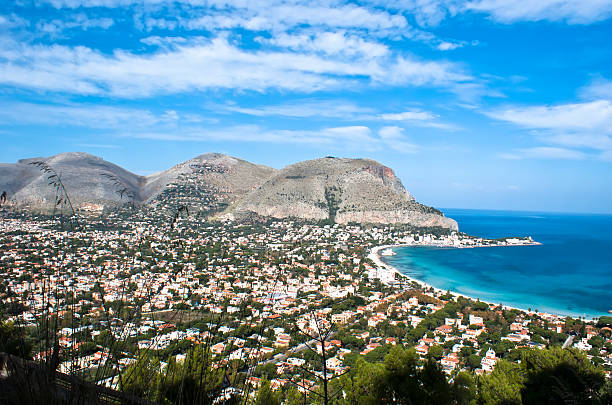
[450, 362]
[488, 361]
[422, 349]
[445, 329]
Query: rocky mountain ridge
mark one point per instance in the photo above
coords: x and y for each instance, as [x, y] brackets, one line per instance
[341, 191]
[227, 188]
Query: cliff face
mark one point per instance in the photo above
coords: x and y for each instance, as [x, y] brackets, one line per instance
[341, 190]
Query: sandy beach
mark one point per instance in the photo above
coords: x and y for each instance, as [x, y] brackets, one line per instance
[376, 258]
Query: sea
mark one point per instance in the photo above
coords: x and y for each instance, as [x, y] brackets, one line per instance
[569, 274]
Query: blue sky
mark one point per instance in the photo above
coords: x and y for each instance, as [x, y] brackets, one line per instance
[475, 104]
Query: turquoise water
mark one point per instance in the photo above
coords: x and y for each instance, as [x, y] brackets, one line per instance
[570, 274]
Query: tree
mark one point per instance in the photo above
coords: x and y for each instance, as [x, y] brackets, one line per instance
[140, 378]
[434, 385]
[265, 395]
[402, 373]
[604, 321]
[435, 352]
[398, 380]
[321, 335]
[367, 386]
[12, 340]
[502, 386]
[191, 381]
[557, 375]
[464, 389]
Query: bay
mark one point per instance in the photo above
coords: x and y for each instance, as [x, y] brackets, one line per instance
[569, 274]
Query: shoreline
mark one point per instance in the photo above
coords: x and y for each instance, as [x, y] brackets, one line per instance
[375, 256]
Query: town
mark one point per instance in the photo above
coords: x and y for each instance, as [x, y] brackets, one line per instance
[267, 300]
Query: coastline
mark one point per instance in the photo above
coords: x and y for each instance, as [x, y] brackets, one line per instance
[375, 256]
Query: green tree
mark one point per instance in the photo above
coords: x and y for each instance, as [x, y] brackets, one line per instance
[140, 379]
[434, 385]
[556, 375]
[192, 380]
[502, 386]
[436, 352]
[402, 373]
[464, 389]
[13, 341]
[265, 395]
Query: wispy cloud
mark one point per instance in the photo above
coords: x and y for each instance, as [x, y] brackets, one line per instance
[207, 65]
[432, 12]
[376, 16]
[418, 118]
[97, 146]
[89, 116]
[341, 110]
[544, 152]
[589, 116]
[598, 89]
[305, 109]
[394, 138]
[56, 27]
[409, 116]
[348, 137]
[340, 138]
[12, 21]
[329, 43]
[279, 16]
[570, 11]
[571, 131]
[171, 125]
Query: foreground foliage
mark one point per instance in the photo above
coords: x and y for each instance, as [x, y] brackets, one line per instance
[543, 376]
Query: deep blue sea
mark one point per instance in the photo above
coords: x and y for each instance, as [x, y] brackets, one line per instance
[570, 274]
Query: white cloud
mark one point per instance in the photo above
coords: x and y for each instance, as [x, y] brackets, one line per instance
[81, 21]
[330, 43]
[279, 16]
[544, 152]
[12, 21]
[570, 131]
[418, 118]
[341, 110]
[598, 89]
[255, 15]
[352, 137]
[409, 116]
[570, 11]
[394, 138]
[589, 116]
[96, 116]
[449, 46]
[204, 65]
[172, 125]
[432, 12]
[309, 108]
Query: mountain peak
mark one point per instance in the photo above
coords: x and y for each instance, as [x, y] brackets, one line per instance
[341, 190]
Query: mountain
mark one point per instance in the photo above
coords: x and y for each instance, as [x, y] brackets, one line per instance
[340, 190]
[210, 181]
[335, 189]
[207, 183]
[81, 173]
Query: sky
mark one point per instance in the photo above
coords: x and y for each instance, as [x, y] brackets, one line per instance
[491, 104]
